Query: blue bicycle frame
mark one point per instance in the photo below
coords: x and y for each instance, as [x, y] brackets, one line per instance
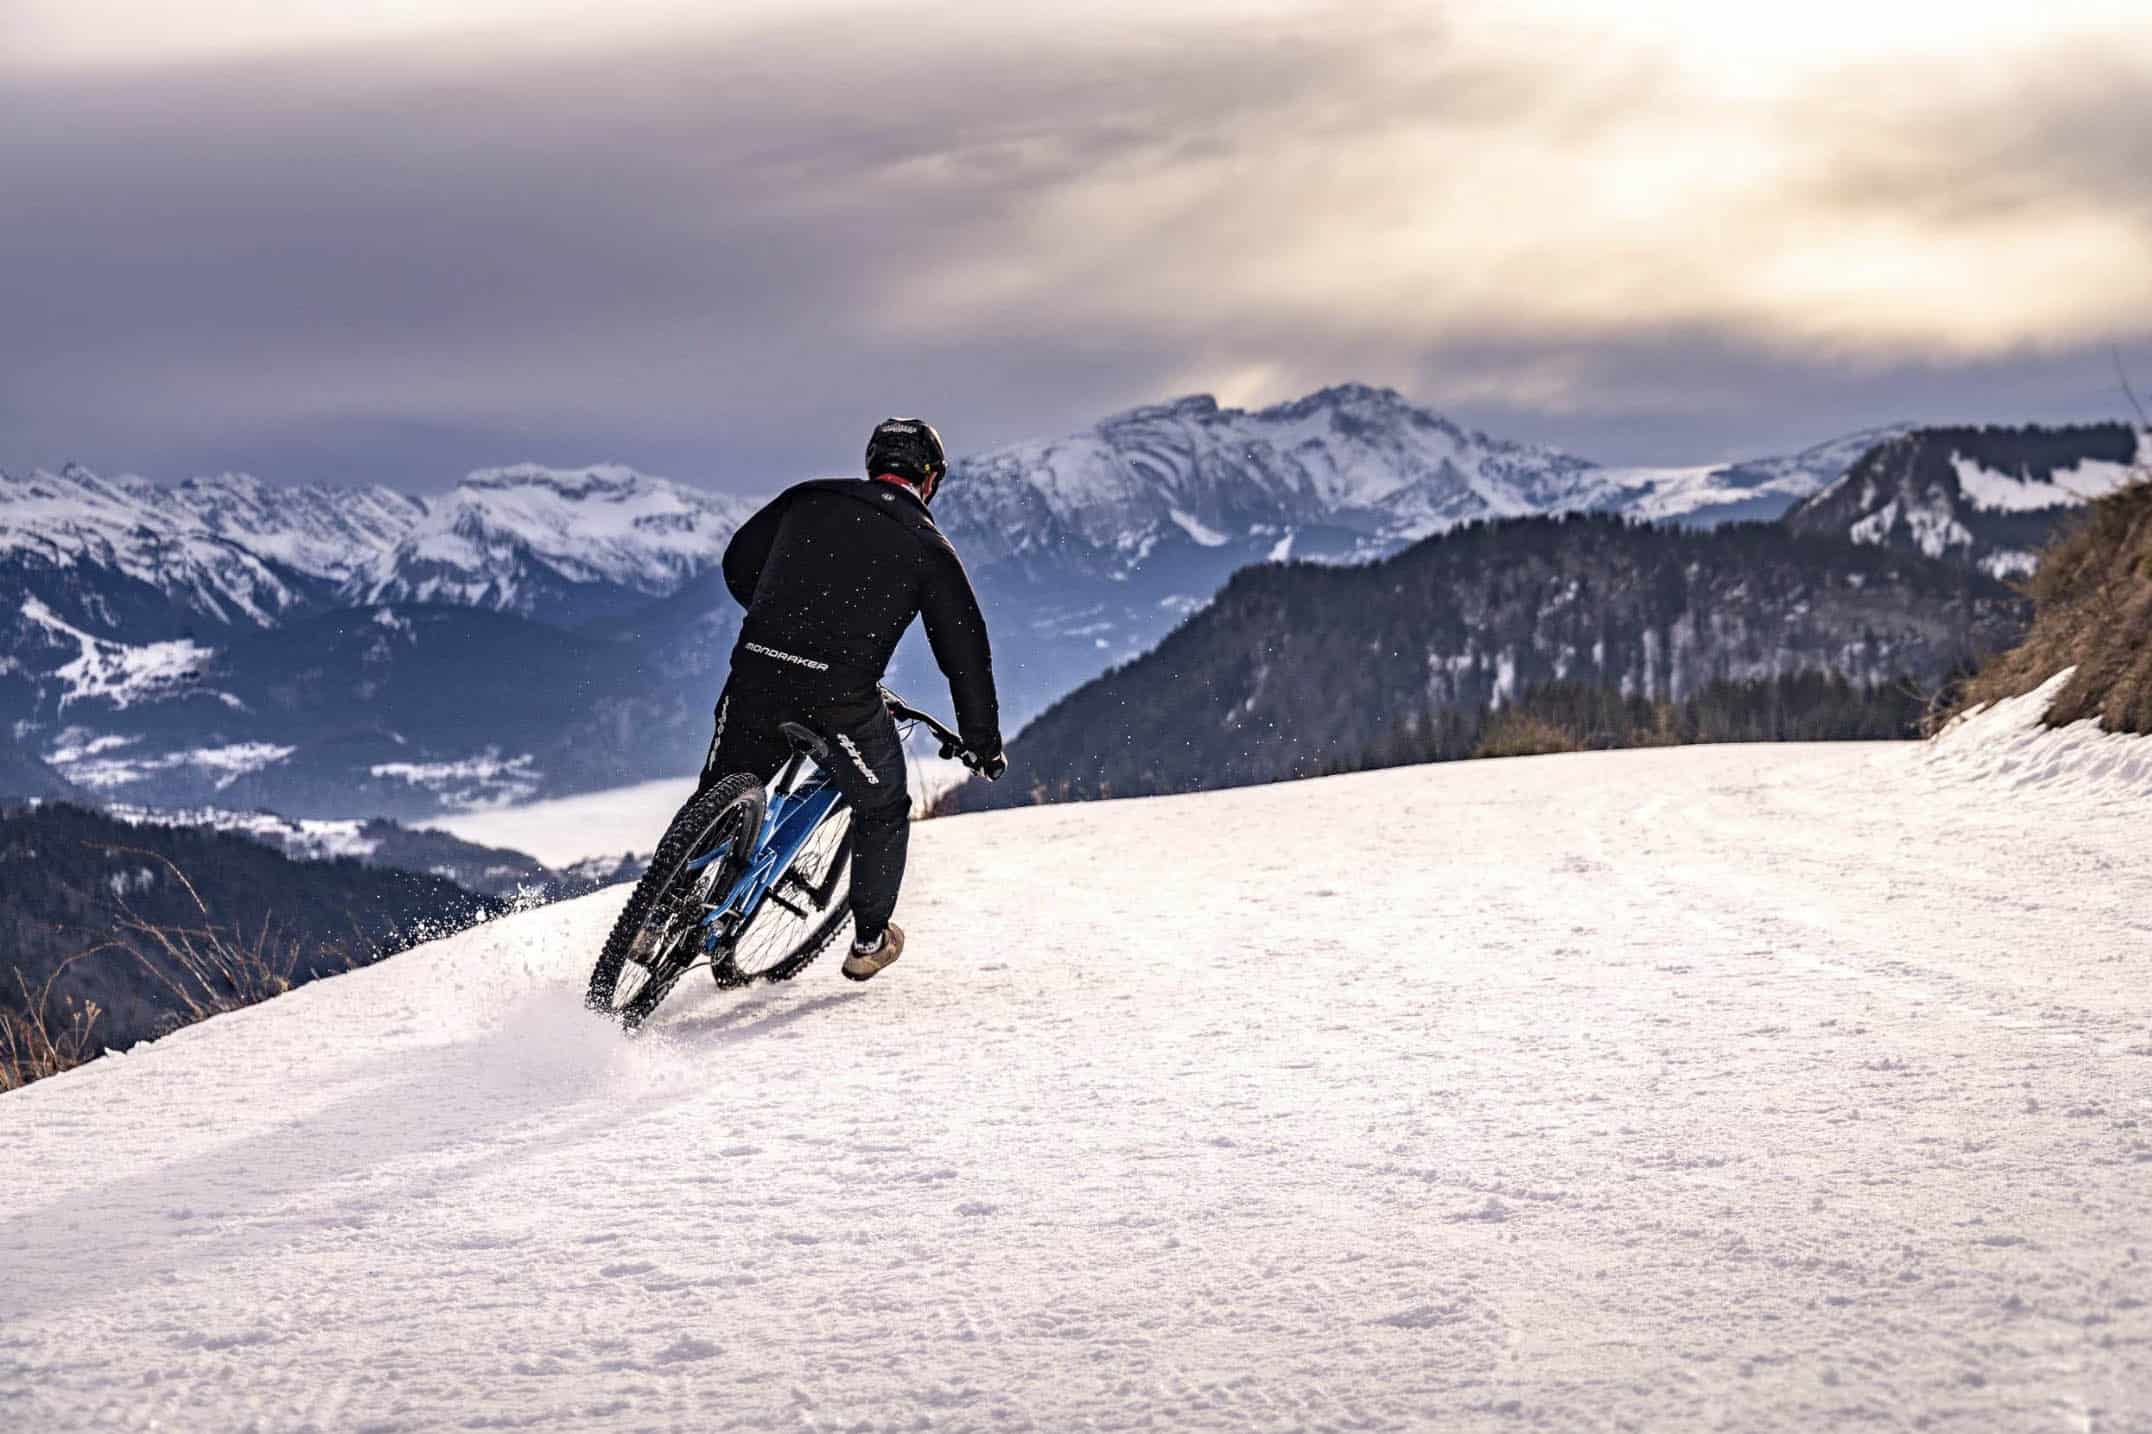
[789, 818]
[798, 800]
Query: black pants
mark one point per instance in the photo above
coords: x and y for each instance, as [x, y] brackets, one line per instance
[865, 760]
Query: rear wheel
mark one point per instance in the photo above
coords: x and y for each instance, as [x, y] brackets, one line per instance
[800, 914]
[659, 934]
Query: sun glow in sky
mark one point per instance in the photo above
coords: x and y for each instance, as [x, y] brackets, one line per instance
[286, 212]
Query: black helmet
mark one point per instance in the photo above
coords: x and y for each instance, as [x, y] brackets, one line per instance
[909, 448]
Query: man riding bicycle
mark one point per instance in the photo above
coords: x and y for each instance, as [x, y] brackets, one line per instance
[831, 574]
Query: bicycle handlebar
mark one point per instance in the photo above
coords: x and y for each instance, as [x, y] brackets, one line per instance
[951, 744]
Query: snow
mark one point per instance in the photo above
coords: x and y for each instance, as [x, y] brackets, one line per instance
[605, 523]
[484, 780]
[1666, 494]
[225, 546]
[324, 532]
[116, 672]
[205, 542]
[1193, 527]
[2004, 564]
[305, 838]
[1995, 492]
[93, 764]
[1759, 1088]
[1934, 530]
[2004, 745]
[1353, 457]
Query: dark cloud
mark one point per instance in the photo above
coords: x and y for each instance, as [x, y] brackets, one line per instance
[724, 257]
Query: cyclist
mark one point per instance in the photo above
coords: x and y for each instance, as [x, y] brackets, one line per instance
[831, 574]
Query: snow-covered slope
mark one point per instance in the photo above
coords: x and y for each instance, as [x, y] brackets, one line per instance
[145, 630]
[2007, 745]
[141, 615]
[1759, 489]
[1986, 497]
[555, 544]
[330, 533]
[65, 537]
[1347, 471]
[1357, 469]
[1754, 1088]
[233, 548]
[1092, 547]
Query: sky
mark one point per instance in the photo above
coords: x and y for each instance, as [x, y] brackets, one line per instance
[391, 241]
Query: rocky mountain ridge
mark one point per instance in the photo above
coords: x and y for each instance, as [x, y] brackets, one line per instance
[358, 652]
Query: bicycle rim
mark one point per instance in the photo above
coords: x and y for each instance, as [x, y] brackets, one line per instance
[800, 914]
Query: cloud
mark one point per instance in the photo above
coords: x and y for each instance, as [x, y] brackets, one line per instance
[733, 245]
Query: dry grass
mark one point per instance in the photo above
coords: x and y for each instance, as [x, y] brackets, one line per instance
[46, 1037]
[1522, 734]
[205, 969]
[2093, 611]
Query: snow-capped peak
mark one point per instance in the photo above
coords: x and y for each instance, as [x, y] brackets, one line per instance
[238, 549]
[515, 538]
[1351, 457]
[75, 519]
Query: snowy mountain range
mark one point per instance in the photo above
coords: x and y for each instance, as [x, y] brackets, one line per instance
[1348, 472]
[557, 545]
[339, 652]
[562, 547]
[1095, 545]
[1985, 497]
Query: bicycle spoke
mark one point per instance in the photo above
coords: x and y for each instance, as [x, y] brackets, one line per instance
[786, 931]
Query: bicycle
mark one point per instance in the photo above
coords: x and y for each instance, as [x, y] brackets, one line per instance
[748, 880]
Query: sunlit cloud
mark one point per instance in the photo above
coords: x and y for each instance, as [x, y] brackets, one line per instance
[711, 227]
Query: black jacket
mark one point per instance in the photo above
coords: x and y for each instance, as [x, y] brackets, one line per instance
[831, 574]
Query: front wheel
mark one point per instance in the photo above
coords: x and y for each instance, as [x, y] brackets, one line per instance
[659, 933]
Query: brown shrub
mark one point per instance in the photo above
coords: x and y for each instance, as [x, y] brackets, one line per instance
[2093, 611]
[1511, 733]
[47, 1035]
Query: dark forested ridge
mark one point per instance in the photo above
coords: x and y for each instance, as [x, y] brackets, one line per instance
[1299, 669]
[24, 777]
[1988, 497]
[70, 878]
